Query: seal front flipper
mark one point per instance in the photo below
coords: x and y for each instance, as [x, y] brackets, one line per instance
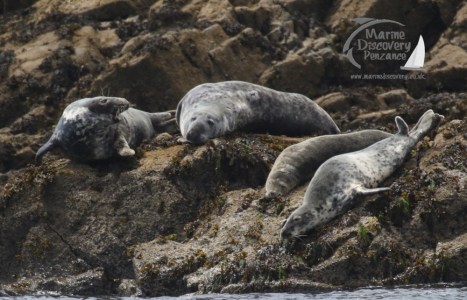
[366, 191]
[51, 144]
[403, 128]
[182, 140]
[122, 147]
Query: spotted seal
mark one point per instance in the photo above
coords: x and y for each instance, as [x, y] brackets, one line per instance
[215, 109]
[101, 127]
[338, 180]
[298, 162]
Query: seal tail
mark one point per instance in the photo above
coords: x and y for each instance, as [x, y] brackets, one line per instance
[51, 144]
[164, 121]
[403, 128]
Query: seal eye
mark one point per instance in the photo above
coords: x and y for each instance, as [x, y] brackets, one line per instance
[297, 218]
[211, 123]
[104, 101]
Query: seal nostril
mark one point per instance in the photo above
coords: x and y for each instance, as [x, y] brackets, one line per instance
[191, 136]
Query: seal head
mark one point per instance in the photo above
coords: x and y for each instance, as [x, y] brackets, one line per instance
[203, 126]
[302, 220]
[107, 106]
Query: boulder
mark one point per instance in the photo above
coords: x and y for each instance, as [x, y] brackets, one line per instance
[394, 98]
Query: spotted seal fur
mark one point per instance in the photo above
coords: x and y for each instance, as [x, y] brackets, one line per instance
[214, 109]
[338, 180]
[101, 127]
[298, 162]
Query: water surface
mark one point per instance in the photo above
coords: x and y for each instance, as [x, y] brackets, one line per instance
[448, 292]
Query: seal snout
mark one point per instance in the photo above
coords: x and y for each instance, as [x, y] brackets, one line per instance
[196, 138]
[196, 134]
[285, 234]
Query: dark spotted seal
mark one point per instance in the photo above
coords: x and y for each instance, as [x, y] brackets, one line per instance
[101, 127]
[215, 109]
[297, 163]
[338, 180]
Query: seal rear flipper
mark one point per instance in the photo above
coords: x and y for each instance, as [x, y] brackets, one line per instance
[416, 126]
[403, 128]
[169, 126]
[164, 121]
[427, 122]
[122, 147]
[51, 144]
[366, 191]
[159, 117]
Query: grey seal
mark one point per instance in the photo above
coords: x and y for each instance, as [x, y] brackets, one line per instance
[341, 178]
[298, 162]
[214, 109]
[101, 127]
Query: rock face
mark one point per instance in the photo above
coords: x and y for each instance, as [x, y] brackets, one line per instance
[180, 219]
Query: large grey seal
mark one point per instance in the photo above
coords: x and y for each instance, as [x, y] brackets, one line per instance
[298, 162]
[338, 180]
[98, 128]
[214, 109]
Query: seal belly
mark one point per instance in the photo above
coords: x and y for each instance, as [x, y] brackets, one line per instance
[136, 126]
[89, 144]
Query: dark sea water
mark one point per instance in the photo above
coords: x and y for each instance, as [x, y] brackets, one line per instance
[410, 292]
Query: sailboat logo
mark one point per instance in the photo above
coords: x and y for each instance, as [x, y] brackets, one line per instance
[365, 23]
[417, 58]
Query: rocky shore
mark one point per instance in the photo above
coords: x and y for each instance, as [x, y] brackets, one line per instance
[178, 218]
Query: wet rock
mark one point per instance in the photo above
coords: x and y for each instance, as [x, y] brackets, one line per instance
[167, 13]
[288, 74]
[447, 10]
[447, 66]
[378, 114]
[32, 121]
[104, 10]
[414, 17]
[214, 11]
[258, 17]
[453, 256]
[395, 98]
[88, 283]
[129, 288]
[90, 47]
[334, 102]
[11, 5]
